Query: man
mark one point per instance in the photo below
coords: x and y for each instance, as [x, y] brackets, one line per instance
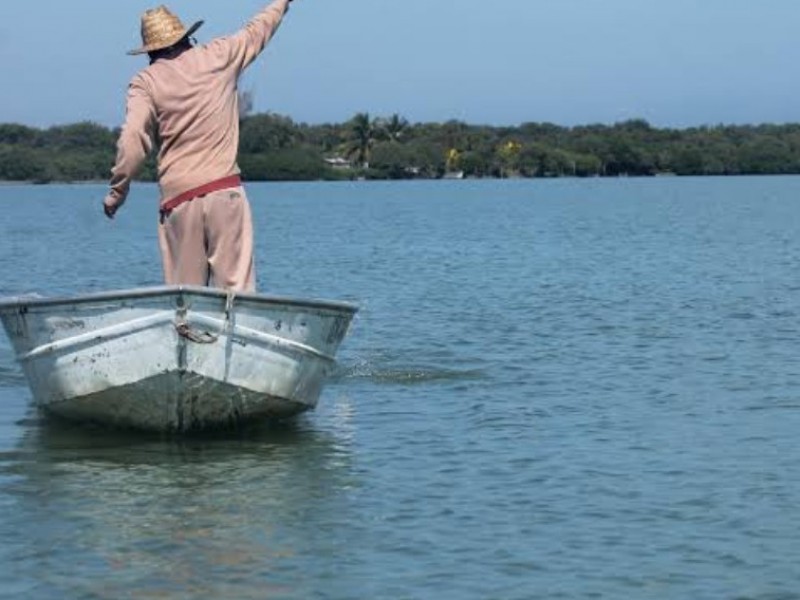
[187, 103]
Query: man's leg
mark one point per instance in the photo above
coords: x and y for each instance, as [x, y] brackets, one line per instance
[229, 232]
[181, 237]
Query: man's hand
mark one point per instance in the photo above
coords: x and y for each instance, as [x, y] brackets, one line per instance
[110, 208]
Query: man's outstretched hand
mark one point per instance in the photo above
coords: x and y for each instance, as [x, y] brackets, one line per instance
[110, 208]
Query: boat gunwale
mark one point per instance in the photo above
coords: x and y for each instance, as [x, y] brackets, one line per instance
[238, 332]
[15, 302]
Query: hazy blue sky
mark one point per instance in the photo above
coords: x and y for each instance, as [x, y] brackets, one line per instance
[673, 62]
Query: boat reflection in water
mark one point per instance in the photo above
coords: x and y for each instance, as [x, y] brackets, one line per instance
[102, 514]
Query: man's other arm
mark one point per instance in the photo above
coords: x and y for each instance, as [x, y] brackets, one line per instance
[135, 143]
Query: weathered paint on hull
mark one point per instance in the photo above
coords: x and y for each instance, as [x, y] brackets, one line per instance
[175, 359]
[175, 403]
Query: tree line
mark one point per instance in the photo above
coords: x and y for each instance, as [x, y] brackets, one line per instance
[274, 147]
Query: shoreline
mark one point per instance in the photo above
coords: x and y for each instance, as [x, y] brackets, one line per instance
[86, 182]
[443, 179]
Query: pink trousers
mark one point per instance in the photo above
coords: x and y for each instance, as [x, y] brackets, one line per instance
[209, 242]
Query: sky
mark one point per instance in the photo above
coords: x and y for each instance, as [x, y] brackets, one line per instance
[675, 63]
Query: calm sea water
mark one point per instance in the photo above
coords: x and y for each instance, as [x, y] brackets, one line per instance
[555, 389]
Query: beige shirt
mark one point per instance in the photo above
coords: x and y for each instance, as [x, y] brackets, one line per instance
[190, 106]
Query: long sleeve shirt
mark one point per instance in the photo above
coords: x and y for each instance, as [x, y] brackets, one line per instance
[189, 107]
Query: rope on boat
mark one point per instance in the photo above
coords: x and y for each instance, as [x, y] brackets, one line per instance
[185, 330]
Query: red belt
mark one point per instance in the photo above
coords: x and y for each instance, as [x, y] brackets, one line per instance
[189, 195]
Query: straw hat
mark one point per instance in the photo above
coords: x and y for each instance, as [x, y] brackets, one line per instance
[162, 29]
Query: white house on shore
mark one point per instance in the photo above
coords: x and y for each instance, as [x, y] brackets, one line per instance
[337, 162]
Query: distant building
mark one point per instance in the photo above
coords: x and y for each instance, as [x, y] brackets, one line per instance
[337, 162]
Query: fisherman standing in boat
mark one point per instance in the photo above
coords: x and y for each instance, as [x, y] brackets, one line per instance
[187, 102]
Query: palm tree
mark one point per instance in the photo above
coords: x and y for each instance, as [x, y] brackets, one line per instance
[395, 127]
[363, 132]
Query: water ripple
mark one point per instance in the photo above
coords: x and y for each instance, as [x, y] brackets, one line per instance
[586, 388]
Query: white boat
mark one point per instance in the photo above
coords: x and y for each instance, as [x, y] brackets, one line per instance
[175, 358]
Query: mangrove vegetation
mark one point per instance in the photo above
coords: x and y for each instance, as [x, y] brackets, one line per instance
[274, 147]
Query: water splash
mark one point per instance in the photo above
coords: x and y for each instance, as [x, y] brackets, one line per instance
[366, 369]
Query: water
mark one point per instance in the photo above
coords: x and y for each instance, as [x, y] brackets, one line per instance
[555, 389]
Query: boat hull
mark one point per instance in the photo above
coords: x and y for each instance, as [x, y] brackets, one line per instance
[175, 359]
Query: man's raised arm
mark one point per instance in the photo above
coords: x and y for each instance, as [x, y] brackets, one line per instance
[251, 40]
